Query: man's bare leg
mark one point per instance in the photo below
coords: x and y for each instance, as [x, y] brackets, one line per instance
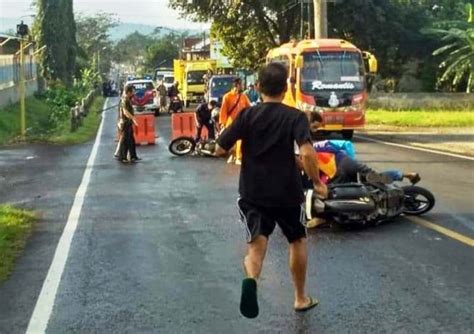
[253, 261]
[298, 263]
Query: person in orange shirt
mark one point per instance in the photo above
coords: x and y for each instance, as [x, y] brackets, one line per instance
[232, 104]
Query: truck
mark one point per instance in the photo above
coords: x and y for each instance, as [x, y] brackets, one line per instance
[328, 76]
[190, 74]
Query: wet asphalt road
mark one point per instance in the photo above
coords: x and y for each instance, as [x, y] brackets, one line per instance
[158, 249]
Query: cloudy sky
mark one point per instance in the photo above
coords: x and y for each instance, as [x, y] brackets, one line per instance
[152, 12]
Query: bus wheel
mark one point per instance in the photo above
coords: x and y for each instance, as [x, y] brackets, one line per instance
[347, 134]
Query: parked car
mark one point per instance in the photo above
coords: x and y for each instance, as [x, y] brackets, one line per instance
[144, 99]
[218, 86]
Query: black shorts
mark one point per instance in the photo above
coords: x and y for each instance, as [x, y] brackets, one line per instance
[259, 220]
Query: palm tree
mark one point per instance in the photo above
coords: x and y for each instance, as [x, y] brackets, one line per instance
[458, 64]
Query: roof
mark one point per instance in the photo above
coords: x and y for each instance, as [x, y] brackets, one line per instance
[131, 82]
[325, 43]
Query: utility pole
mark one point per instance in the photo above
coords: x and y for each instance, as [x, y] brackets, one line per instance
[22, 31]
[320, 19]
[302, 19]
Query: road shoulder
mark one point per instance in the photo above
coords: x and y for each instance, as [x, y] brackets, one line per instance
[450, 140]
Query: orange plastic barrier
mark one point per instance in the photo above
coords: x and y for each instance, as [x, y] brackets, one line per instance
[145, 131]
[184, 125]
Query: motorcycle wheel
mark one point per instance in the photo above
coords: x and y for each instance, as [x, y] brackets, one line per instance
[182, 146]
[417, 200]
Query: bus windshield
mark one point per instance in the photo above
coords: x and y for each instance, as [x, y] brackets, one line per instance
[335, 71]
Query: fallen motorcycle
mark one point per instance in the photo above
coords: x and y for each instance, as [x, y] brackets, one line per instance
[188, 146]
[368, 203]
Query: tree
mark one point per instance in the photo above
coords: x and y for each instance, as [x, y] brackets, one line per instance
[458, 51]
[93, 37]
[162, 51]
[131, 48]
[55, 29]
[247, 28]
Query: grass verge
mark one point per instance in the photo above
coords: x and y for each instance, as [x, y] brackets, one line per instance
[420, 118]
[39, 126]
[15, 227]
[88, 129]
[37, 119]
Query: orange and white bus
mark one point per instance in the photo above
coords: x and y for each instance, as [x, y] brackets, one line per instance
[327, 76]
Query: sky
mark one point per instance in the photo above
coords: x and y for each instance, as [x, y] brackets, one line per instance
[151, 12]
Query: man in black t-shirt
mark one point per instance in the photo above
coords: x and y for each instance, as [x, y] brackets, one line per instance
[204, 119]
[270, 184]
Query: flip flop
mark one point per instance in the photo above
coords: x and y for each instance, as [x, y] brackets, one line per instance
[248, 301]
[312, 303]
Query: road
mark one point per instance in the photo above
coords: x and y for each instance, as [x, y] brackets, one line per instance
[158, 248]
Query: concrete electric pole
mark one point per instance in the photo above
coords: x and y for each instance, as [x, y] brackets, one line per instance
[320, 19]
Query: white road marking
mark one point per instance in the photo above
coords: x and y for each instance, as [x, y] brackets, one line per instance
[416, 148]
[44, 305]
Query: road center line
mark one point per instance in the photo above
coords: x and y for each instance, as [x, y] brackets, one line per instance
[416, 148]
[44, 305]
[443, 230]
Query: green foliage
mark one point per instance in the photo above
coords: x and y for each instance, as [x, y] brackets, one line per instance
[61, 99]
[457, 67]
[40, 126]
[90, 78]
[86, 132]
[92, 38]
[132, 48]
[247, 28]
[162, 51]
[15, 227]
[391, 29]
[55, 28]
[37, 119]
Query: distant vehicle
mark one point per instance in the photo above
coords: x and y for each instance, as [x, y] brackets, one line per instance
[327, 76]
[219, 85]
[161, 72]
[144, 99]
[168, 80]
[190, 75]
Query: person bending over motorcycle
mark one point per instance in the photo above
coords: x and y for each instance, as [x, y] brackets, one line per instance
[348, 169]
[204, 119]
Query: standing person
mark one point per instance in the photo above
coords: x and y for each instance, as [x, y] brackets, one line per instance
[204, 119]
[270, 184]
[162, 93]
[233, 103]
[127, 141]
[173, 93]
[252, 94]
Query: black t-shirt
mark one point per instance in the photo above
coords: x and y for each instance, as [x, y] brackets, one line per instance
[203, 113]
[269, 176]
